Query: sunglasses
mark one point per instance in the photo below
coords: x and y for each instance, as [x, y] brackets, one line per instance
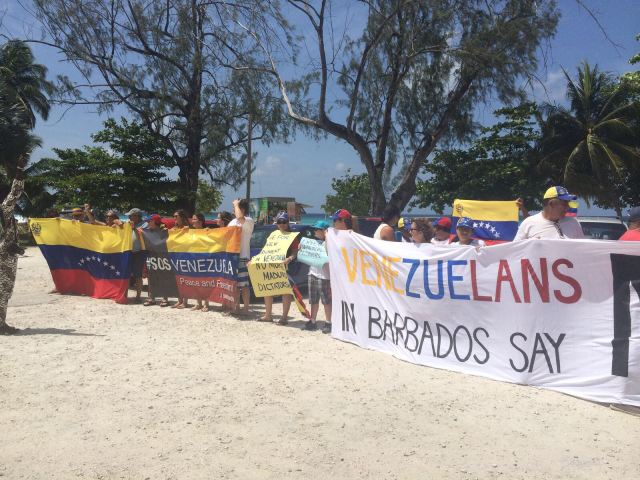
[414, 230]
[281, 222]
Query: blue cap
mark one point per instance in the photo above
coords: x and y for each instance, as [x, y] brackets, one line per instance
[465, 222]
[404, 224]
[560, 193]
[282, 216]
[321, 225]
[341, 214]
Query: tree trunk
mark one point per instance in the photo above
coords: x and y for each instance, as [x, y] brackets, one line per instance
[618, 209]
[188, 180]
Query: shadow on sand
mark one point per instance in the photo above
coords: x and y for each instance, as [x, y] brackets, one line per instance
[54, 331]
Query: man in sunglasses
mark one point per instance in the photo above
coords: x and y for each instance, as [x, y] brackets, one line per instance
[551, 222]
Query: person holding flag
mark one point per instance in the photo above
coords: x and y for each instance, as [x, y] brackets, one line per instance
[464, 229]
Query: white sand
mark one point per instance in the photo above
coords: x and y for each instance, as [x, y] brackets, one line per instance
[96, 390]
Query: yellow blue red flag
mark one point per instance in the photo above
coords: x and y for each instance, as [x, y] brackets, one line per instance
[495, 221]
[193, 263]
[85, 259]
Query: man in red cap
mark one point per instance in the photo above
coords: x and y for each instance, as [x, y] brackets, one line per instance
[442, 227]
[342, 220]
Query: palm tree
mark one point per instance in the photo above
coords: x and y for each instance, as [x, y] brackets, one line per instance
[24, 81]
[595, 141]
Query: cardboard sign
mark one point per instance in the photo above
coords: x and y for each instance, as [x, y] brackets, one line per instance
[312, 252]
[267, 271]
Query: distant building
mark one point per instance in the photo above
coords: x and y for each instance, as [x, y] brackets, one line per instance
[264, 209]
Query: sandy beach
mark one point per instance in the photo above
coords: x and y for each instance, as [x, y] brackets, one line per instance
[95, 390]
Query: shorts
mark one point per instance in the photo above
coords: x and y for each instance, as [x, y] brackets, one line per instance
[138, 260]
[243, 273]
[319, 289]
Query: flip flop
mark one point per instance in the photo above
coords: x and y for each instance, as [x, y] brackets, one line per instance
[196, 307]
[164, 303]
[179, 306]
[148, 303]
[204, 309]
[265, 320]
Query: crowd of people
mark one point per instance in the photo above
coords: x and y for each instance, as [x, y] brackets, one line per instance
[551, 222]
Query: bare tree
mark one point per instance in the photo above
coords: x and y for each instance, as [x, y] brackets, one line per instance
[411, 78]
[167, 62]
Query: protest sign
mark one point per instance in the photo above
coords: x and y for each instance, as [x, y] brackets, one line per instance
[193, 263]
[160, 274]
[85, 259]
[267, 272]
[269, 279]
[559, 314]
[312, 252]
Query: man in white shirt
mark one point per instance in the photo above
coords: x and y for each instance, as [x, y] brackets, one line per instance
[241, 210]
[551, 222]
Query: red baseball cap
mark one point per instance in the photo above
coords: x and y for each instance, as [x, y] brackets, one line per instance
[340, 214]
[444, 222]
[155, 218]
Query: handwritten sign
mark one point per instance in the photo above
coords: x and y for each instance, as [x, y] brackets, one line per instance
[267, 271]
[269, 279]
[312, 252]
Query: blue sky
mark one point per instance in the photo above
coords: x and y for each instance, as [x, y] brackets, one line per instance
[305, 167]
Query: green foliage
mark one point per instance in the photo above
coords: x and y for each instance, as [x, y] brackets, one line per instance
[632, 79]
[24, 82]
[595, 143]
[352, 192]
[22, 95]
[183, 70]
[131, 172]
[208, 197]
[499, 165]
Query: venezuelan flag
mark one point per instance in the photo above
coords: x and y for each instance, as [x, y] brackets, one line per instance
[494, 221]
[573, 209]
[85, 259]
[204, 261]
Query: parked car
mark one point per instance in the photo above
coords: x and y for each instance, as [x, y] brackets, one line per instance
[602, 228]
[297, 270]
[366, 225]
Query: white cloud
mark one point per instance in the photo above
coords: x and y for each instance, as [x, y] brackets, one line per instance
[272, 162]
[552, 89]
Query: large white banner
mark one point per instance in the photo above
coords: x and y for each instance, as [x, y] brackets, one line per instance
[559, 314]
